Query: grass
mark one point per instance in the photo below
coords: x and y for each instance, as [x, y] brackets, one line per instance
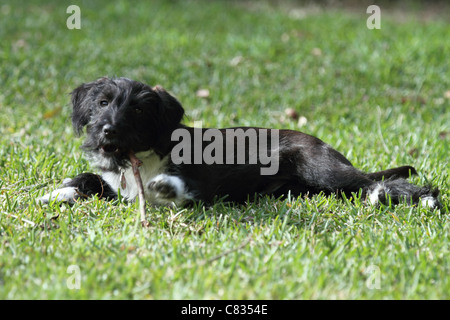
[381, 97]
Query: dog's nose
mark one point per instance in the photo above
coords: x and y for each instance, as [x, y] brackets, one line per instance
[109, 130]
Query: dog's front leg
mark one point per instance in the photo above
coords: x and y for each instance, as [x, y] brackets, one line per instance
[167, 190]
[82, 186]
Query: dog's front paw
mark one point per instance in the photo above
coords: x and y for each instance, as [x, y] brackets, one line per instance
[67, 194]
[166, 189]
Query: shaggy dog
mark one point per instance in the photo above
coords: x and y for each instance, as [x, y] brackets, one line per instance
[121, 115]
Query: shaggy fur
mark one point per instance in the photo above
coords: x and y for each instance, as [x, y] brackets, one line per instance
[122, 115]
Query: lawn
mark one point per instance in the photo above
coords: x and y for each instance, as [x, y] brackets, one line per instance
[381, 97]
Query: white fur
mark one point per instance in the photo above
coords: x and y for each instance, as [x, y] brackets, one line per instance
[66, 181]
[152, 169]
[67, 194]
[176, 183]
[429, 202]
[152, 165]
[373, 195]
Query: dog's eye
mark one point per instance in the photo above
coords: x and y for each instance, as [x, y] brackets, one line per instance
[138, 110]
[104, 103]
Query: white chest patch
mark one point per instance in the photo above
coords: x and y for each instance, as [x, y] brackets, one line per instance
[152, 165]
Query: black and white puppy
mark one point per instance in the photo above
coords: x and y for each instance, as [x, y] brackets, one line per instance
[122, 115]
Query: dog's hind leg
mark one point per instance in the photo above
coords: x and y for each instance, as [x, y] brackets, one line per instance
[394, 188]
[82, 186]
[347, 179]
[395, 191]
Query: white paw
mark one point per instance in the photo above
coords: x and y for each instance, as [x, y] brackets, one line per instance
[166, 189]
[429, 202]
[67, 194]
[66, 181]
[374, 194]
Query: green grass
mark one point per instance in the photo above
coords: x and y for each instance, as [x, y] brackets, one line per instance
[378, 96]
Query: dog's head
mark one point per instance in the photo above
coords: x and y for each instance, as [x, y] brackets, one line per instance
[122, 115]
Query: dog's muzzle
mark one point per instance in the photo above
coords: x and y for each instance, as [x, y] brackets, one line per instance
[109, 145]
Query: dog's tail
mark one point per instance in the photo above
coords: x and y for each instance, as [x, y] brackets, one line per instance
[400, 172]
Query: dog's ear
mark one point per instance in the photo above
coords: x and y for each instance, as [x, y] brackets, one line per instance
[81, 108]
[172, 112]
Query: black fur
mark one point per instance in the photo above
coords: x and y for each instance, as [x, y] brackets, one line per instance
[122, 115]
[146, 116]
[90, 184]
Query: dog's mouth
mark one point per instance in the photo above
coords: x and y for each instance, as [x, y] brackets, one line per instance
[110, 149]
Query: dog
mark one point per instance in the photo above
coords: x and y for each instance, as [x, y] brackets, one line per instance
[122, 115]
